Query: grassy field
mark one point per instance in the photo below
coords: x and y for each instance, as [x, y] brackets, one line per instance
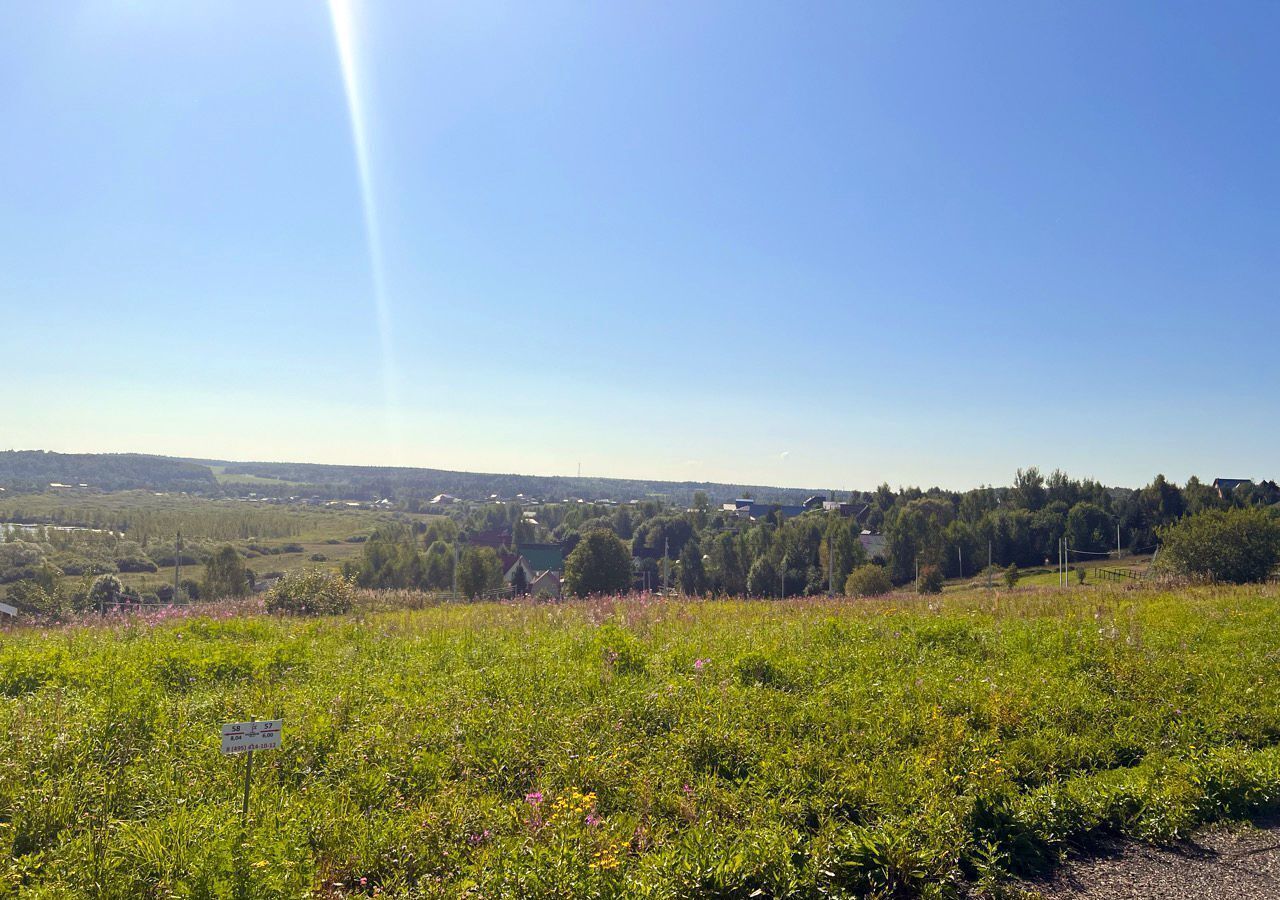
[149, 520]
[910, 747]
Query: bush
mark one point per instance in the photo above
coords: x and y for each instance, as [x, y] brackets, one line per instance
[314, 592]
[868, 581]
[930, 581]
[30, 597]
[106, 591]
[135, 564]
[1233, 545]
[318, 557]
[1011, 575]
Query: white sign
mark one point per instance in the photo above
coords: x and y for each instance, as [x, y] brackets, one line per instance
[8, 610]
[242, 737]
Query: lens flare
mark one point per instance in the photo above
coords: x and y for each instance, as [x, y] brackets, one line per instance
[342, 15]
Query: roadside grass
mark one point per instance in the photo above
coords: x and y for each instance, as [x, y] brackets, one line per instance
[903, 747]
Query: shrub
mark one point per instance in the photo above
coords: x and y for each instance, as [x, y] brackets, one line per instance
[1233, 545]
[135, 564]
[868, 581]
[29, 597]
[314, 592]
[1011, 575]
[106, 591]
[930, 581]
[318, 557]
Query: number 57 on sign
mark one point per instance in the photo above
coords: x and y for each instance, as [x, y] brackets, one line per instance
[245, 737]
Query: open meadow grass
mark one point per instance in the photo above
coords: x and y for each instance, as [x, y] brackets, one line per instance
[906, 747]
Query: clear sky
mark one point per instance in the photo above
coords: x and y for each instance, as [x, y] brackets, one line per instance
[801, 244]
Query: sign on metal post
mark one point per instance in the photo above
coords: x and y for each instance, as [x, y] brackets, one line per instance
[246, 737]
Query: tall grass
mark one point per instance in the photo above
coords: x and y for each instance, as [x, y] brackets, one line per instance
[631, 746]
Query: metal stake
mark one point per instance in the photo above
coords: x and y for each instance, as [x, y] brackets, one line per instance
[248, 774]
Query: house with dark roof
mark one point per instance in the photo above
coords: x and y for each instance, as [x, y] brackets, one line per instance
[1226, 486]
[747, 508]
[497, 538]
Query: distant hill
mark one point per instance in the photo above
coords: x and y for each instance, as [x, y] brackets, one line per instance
[376, 482]
[34, 470]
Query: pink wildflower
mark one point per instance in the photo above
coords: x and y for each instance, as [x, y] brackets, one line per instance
[699, 663]
[533, 798]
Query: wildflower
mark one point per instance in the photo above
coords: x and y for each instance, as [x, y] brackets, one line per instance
[533, 798]
[592, 820]
[699, 663]
[688, 789]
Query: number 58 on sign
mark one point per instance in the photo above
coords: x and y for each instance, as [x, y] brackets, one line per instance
[244, 737]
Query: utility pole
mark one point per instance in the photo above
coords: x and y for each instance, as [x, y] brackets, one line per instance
[831, 587]
[960, 556]
[455, 570]
[988, 565]
[666, 565]
[1117, 540]
[177, 564]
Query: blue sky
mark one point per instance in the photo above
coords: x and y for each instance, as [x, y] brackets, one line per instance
[804, 244]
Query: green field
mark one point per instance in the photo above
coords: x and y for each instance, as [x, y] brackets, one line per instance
[907, 747]
[139, 524]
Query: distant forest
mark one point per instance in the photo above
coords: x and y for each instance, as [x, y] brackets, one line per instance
[35, 470]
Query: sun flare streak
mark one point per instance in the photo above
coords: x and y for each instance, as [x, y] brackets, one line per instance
[342, 15]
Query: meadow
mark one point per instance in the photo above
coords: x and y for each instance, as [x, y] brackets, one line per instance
[902, 747]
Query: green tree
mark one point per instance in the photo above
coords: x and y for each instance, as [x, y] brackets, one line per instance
[693, 576]
[728, 571]
[479, 570]
[762, 580]
[600, 564]
[1089, 528]
[519, 581]
[439, 567]
[1028, 490]
[225, 575]
[1233, 545]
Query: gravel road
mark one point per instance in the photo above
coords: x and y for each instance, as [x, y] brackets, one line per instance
[1218, 864]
